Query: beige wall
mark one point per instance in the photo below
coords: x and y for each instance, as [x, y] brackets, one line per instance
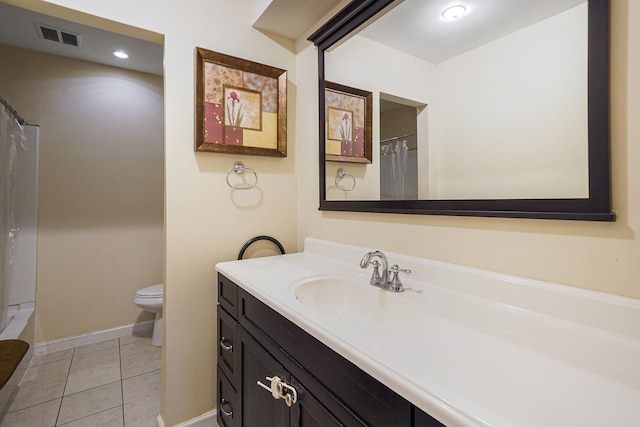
[101, 183]
[205, 221]
[597, 256]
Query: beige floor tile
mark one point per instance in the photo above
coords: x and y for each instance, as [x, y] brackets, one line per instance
[141, 336]
[95, 358]
[47, 371]
[80, 405]
[141, 386]
[90, 370]
[139, 357]
[42, 415]
[142, 412]
[52, 357]
[34, 394]
[100, 345]
[41, 384]
[109, 418]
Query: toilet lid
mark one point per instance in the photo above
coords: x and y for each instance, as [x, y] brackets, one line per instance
[152, 291]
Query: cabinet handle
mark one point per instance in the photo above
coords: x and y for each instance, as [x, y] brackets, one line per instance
[224, 345]
[224, 412]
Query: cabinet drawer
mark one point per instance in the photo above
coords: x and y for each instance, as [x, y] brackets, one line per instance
[367, 398]
[228, 295]
[229, 405]
[227, 344]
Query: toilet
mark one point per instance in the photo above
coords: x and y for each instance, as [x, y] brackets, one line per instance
[151, 299]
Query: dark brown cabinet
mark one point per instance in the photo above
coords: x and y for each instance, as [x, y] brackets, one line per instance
[256, 345]
[258, 366]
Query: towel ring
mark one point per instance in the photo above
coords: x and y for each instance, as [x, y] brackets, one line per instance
[340, 175]
[239, 168]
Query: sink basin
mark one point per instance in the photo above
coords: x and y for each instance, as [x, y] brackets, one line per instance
[356, 299]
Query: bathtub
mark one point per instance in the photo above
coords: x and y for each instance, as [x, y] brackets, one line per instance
[20, 316]
[21, 326]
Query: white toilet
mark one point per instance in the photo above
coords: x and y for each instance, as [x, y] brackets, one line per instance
[151, 299]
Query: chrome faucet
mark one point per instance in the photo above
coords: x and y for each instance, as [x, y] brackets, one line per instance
[381, 279]
[376, 279]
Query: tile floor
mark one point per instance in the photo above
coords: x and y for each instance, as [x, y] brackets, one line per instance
[114, 383]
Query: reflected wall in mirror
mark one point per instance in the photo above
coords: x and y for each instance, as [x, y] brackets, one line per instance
[509, 103]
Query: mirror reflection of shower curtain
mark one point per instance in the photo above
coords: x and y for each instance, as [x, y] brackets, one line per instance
[398, 171]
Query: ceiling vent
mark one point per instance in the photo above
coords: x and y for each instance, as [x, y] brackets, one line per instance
[57, 35]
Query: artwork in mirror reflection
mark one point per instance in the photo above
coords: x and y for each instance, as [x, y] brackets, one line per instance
[503, 116]
[348, 123]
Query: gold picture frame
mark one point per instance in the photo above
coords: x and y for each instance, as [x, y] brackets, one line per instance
[348, 124]
[241, 106]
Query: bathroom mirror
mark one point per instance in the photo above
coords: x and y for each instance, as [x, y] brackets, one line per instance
[503, 111]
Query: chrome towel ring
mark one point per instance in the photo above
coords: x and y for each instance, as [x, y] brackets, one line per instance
[340, 176]
[239, 169]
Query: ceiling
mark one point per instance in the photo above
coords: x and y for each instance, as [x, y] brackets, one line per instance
[20, 27]
[416, 27]
[413, 26]
[292, 18]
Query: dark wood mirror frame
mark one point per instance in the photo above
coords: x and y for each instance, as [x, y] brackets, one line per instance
[597, 207]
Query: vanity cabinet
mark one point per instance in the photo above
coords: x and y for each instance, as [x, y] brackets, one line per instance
[257, 344]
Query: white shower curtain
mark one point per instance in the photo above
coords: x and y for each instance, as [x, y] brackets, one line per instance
[11, 140]
[398, 169]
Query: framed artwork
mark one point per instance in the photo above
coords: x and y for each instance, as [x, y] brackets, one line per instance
[241, 106]
[348, 124]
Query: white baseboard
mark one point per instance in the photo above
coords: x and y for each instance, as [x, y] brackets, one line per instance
[208, 419]
[91, 337]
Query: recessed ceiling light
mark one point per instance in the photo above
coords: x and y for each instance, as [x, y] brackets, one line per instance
[121, 54]
[454, 12]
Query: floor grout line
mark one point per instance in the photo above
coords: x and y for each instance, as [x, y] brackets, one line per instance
[66, 381]
[124, 421]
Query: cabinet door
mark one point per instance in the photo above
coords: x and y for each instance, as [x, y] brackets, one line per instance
[259, 408]
[422, 419]
[308, 411]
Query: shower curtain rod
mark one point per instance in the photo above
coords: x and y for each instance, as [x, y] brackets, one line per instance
[12, 111]
[393, 138]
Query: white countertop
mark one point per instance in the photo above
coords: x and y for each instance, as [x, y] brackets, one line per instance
[490, 349]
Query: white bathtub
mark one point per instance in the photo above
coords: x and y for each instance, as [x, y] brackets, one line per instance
[20, 316]
[21, 326]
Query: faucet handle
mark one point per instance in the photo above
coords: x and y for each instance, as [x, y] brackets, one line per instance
[375, 277]
[395, 285]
